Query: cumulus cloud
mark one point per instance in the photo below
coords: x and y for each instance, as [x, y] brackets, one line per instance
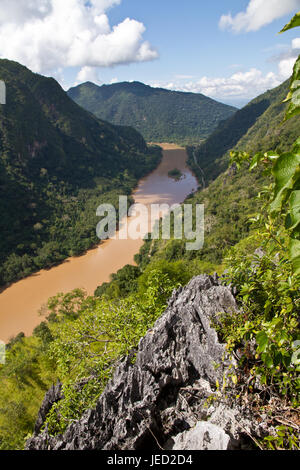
[48, 34]
[286, 67]
[258, 14]
[88, 74]
[286, 60]
[240, 85]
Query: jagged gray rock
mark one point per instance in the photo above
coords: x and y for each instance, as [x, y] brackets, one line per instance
[53, 395]
[204, 436]
[164, 392]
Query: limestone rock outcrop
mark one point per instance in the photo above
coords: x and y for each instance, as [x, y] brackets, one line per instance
[167, 397]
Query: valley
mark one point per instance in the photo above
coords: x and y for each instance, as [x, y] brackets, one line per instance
[21, 302]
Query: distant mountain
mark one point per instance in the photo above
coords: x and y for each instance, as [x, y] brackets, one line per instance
[160, 115]
[257, 127]
[57, 161]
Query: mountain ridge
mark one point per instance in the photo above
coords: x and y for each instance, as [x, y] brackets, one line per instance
[159, 114]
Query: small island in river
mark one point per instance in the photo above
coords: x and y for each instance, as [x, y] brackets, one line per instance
[175, 174]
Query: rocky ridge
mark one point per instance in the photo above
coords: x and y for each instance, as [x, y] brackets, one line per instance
[168, 393]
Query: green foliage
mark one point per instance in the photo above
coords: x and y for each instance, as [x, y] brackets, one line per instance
[283, 194]
[269, 293]
[295, 21]
[159, 115]
[269, 284]
[177, 272]
[269, 296]
[285, 439]
[294, 94]
[24, 380]
[122, 283]
[286, 172]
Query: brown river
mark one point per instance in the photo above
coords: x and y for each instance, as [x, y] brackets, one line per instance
[21, 302]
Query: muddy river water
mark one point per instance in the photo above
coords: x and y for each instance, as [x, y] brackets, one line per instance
[21, 302]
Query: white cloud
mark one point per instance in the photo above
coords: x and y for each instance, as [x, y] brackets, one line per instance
[241, 86]
[88, 74]
[287, 61]
[245, 85]
[258, 14]
[286, 68]
[48, 34]
[296, 43]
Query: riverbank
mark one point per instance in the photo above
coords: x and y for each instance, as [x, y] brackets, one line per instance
[21, 303]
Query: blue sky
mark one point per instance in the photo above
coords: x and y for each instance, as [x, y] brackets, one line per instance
[228, 49]
[190, 41]
[191, 44]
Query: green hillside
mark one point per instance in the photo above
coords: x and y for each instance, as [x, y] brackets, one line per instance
[160, 115]
[57, 161]
[258, 126]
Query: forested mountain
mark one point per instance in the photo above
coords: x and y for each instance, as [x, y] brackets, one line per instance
[56, 163]
[160, 115]
[258, 126]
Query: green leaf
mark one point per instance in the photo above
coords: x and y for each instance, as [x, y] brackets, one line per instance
[296, 145]
[268, 360]
[262, 341]
[271, 156]
[294, 254]
[296, 355]
[289, 97]
[295, 21]
[234, 379]
[286, 360]
[268, 306]
[294, 214]
[255, 161]
[294, 94]
[286, 173]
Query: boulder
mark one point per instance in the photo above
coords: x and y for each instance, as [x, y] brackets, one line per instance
[204, 436]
